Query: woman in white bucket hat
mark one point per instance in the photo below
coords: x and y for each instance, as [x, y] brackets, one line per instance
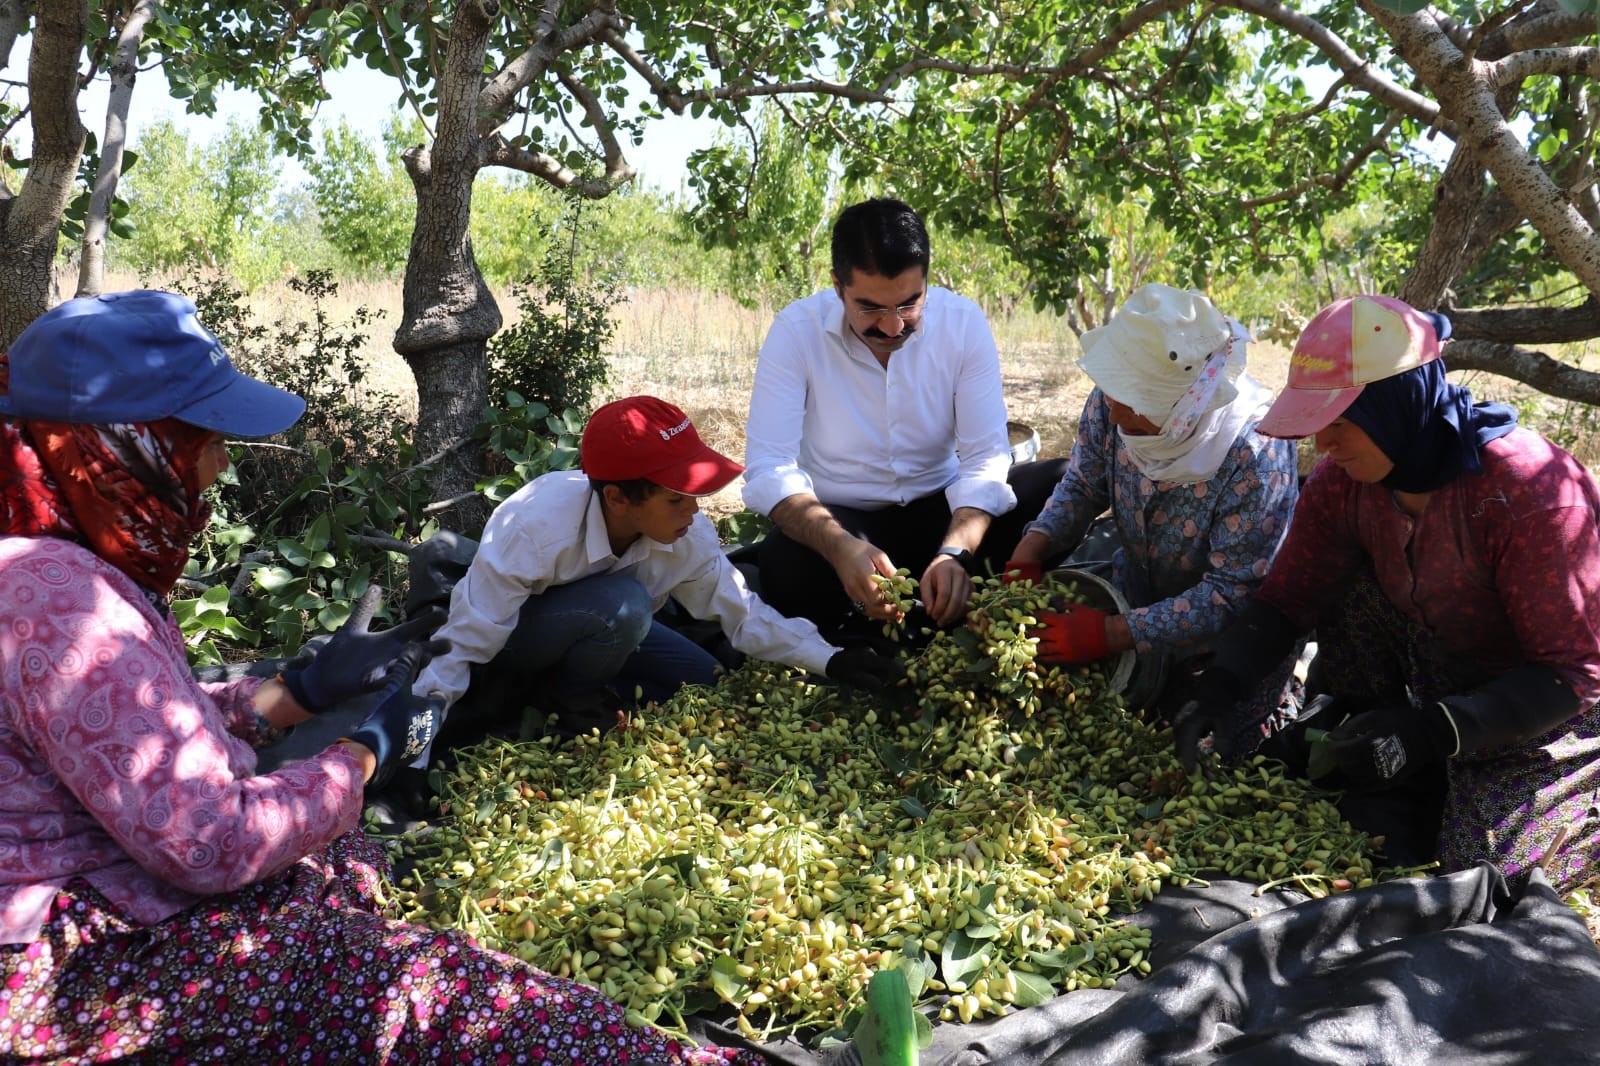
[1199, 501]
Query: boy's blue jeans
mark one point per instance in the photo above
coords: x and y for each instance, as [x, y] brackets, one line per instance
[601, 631]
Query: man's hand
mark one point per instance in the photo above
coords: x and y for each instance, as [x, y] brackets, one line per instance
[946, 588]
[1075, 634]
[857, 561]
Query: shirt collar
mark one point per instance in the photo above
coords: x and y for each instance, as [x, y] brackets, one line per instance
[597, 544]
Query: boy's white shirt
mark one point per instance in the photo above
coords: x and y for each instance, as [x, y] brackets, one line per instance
[552, 531]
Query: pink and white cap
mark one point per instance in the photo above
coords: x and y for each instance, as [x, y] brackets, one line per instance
[1347, 345]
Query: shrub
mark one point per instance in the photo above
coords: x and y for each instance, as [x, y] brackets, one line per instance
[555, 355]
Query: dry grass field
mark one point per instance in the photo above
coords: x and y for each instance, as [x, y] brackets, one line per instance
[698, 350]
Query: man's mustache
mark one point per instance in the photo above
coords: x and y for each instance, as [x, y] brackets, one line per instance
[877, 334]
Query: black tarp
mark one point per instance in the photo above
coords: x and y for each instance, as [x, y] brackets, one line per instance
[1458, 969]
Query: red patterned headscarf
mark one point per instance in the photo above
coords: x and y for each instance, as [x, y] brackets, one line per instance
[129, 492]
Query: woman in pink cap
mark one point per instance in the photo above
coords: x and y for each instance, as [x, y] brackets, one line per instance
[1449, 562]
[160, 901]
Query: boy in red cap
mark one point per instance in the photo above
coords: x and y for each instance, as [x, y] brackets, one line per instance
[573, 567]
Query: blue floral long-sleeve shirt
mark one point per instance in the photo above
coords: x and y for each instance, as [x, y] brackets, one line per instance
[1190, 555]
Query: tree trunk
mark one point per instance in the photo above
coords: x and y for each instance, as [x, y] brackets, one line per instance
[124, 71]
[30, 222]
[449, 312]
[1456, 199]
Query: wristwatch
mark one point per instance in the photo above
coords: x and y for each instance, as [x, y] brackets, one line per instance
[960, 555]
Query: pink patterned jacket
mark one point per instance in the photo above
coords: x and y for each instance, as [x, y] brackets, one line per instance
[116, 766]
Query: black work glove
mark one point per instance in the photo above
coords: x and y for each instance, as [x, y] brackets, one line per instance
[355, 662]
[863, 668]
[1210, 711]
[1387, 745]
[400, 726]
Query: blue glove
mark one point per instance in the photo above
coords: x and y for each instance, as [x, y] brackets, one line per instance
[400, 726]
[355, 662]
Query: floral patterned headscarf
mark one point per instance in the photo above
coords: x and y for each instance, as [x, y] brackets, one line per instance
[129, 492]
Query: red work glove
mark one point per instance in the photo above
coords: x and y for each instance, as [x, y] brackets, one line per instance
[1075, 634]
[1022, 570]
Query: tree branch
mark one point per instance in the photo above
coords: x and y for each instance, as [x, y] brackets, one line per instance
[1470, 97]
[1356, 68]
[498, 152]
[124, 72]
[659, 85]
[1526, 325]
[617, 169]
[494, 102]
[1540, 29]
[11, 18]
[398, 68]
[1543, 372]
[1519, 66]
[1488, 26]
[1339, 178]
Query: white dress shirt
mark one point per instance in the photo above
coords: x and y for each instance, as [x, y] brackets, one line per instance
[552, 531]
[826, 418]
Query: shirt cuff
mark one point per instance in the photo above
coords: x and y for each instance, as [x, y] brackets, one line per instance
[768, 489]
[985, 494]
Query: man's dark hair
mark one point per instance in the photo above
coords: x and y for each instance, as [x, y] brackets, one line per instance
[881, 236]
[634, 490]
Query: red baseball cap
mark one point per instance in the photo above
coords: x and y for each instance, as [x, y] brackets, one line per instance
[1345, 347]
[643, 437]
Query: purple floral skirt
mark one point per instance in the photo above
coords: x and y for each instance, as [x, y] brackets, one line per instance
[301, 967]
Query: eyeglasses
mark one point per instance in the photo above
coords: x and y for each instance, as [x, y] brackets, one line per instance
[902, 311]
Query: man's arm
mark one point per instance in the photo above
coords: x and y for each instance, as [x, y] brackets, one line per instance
[806, 520]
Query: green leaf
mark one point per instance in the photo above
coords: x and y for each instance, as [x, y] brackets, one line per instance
[962, 957]
[1321, 759]
[910, 805]
[1061, 963]
[1032, 989]
[727, 982]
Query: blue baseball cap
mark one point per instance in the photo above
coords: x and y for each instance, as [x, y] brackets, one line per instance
[137, 357]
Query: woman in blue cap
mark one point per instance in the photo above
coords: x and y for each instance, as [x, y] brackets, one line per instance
[158, 899]
[1450, 563]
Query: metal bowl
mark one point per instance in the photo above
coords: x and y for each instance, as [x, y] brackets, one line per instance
[1136, 678]
[1024, 442]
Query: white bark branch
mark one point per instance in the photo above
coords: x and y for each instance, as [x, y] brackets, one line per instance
[124, 72]
[1466, 90]
[1358, 70]
[1522, 65]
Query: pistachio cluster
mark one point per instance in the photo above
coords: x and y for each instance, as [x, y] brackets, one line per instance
[770, 843]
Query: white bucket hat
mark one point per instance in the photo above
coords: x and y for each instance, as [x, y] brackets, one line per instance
[1154, 348]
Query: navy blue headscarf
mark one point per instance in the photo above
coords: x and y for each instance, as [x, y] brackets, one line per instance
[1429, 428]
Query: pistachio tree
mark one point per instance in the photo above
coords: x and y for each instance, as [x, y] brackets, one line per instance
[1240, 126]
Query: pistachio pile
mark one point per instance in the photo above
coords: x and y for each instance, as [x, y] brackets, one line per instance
[770, 843]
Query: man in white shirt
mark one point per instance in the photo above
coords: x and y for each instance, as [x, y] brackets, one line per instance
[877, 435]
[573, 566]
